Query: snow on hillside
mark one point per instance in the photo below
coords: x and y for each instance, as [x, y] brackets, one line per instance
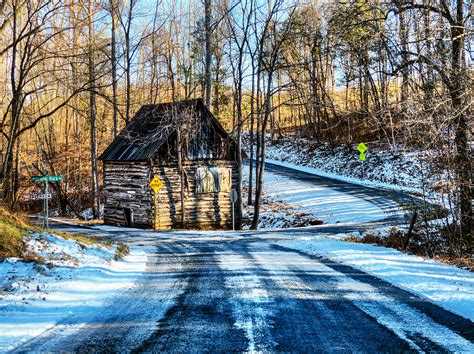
[70, 278]
[399, 170]
[289, 202]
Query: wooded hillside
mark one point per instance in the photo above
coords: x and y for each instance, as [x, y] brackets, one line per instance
[74, 72]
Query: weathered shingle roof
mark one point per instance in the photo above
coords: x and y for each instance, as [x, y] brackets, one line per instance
[150, 128]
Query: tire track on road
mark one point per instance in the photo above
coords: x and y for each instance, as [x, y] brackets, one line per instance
[425, 325]
[124, 321]
[201, 319]
[251, 302]
[309, 318]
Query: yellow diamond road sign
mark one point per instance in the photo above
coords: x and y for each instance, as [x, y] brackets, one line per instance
[362, 148]
[156, 184]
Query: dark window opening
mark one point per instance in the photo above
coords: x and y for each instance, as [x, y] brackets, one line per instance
[128, 216]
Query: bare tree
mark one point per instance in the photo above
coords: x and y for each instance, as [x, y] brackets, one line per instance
[31, 28]
[113, 8]
[239, 25]
[456, 80]
[273, 37]
[208, 59]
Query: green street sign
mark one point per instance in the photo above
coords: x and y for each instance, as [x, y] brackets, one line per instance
[362, 156]
[47, 178]
[362, 148]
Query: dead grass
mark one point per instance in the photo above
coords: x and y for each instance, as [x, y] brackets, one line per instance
[13, 230]
[31, 257]
[121, 251]
[464, 262]
[82, 239]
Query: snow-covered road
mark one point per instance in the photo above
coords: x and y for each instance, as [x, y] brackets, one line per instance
[292, 290]
[331, 200]
[219, 291]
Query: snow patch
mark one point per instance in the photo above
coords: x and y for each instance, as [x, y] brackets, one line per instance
[75, 279]
[446, 285]
[290, 202]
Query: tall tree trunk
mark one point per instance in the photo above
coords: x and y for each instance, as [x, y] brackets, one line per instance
[16, 175]
[207, 30]
[179, 147]
[7, 168]
[258, 116]
[261, 169]
[463, 159]
[92, 115]
[428, 85]
[113, 58]
[366, 87]
[251, 137]
[154, 80]
[403, 33]
[215, 107]
[239, 130]
[128, 61]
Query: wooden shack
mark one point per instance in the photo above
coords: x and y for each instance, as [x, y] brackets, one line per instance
[183, 145]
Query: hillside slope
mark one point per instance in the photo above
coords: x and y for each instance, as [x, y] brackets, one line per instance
[13, 230]
[410, 171]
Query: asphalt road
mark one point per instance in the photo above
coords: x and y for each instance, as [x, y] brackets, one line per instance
[387, 201]
[242, 292]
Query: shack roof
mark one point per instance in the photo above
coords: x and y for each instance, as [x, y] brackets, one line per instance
[152, 126]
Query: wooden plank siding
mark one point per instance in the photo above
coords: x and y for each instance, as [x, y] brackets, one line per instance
[126, 185]
[203, 210]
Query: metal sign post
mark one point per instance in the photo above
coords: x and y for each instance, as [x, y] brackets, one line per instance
[46, 196]
[233, 199]
[46, 206]
[362, 149]
[156, 185]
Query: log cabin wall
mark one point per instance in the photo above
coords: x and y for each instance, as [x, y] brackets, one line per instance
[127, 190]
[203, 209]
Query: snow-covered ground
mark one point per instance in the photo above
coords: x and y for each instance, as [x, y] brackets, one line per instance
[396, 170]
[84, 284]
[446, 285]
[74, 279]
[289, 202]
[328, 204]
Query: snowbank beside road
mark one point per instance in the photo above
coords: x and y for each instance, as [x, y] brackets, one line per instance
[383, 168]
[72, 279]
[348, 179]
[445, 285]
[324, 200]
